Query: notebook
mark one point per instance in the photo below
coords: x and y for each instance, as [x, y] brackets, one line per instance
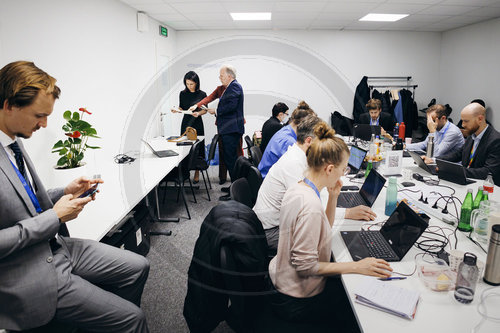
[356, 158]
[388, 297]
[366, 196]
[160, 153]
[392, 241]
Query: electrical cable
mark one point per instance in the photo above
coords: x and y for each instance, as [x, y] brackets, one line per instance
[482, 309]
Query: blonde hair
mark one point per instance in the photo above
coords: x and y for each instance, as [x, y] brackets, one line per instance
[20, 82]
[325, 148]
[301, 111]
[374, 104]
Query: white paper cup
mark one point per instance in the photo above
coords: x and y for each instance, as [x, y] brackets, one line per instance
[408, 141]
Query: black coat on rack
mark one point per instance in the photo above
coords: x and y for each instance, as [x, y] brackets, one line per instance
[361, 97]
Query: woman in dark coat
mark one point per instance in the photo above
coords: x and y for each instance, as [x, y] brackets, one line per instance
[187, 97]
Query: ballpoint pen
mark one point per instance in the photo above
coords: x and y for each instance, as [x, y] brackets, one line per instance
[393, 278]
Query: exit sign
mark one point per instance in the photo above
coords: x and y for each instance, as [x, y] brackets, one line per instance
[163, 31]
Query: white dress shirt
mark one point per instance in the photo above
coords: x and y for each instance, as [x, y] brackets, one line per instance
[5, 140]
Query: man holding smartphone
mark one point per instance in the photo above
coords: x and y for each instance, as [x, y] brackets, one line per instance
[45, 274]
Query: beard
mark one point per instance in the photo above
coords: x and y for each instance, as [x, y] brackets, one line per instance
[472, 130]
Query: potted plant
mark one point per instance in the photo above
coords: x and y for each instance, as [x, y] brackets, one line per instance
[72, 149]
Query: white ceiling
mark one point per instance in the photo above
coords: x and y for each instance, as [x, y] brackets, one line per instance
[425, 15]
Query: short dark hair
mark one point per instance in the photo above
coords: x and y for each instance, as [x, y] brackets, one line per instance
[279, 107]
[440, 109]
[192, 76]
[20, 82]
[306, 127]
[479, 101]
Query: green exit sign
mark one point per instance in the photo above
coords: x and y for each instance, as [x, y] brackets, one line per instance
[163, 31]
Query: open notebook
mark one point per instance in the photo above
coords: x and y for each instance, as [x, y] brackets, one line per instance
[385, 296]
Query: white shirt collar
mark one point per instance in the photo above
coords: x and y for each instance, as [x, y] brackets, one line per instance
[5, 139]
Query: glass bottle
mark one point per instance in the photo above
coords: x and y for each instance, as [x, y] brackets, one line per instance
[485, 196]
[478, 198]
[488, 183]
[466, 279]
[465, 211]
[369, 167]
[391, 199]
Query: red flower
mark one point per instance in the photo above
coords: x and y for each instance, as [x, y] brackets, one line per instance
[84, 110]
[74, 135]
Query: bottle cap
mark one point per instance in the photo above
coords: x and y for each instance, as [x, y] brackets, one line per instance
[469, 190]
[470, 259]
[496, 228]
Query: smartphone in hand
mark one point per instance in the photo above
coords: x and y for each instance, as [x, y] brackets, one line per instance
[89, 192]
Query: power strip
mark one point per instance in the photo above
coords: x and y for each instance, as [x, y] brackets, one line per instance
[436, 212]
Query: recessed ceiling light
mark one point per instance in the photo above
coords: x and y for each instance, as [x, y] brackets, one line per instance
[251, 16]
[383, 17]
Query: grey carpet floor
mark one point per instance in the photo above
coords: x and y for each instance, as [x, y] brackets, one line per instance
[170, 256]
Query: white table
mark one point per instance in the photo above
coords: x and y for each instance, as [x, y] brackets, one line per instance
[125, 185]
[437, 311]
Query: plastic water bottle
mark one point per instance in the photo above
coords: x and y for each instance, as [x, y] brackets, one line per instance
[488, 183]
[391, 199]
[466, 279]
[395, 133]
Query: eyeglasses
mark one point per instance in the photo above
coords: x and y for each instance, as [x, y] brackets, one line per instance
[347, 170]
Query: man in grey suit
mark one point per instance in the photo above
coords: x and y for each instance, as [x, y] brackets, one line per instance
[45, 274]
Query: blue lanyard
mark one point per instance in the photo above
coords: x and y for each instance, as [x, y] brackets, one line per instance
[28, 189]
[372, 122]
[441, 135]
[310, 183]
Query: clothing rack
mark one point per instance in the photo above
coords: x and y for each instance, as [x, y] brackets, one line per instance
[406, 85]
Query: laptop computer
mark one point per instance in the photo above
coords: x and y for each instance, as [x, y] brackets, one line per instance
[430, 168]
[356, 158]
[367, 194]
[418, 152]
[160, 153]
[392, 241]
[365, 131]
[452, 172]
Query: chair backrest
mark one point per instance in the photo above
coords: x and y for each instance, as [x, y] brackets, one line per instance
[249, 143]
[254, 179]
[241, 167]
[240, 191]
[256, 155]
[194, 153]
[213, 145]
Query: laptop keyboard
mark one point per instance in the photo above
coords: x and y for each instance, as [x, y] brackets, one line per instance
[376, 245]
[350, 199]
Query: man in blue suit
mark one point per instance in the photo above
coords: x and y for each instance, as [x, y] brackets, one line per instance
[230, 120]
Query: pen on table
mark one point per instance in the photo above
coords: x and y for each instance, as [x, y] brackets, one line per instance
[393, 278]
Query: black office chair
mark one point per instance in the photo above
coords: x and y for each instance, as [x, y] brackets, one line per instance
[241, 192]
[254, 179]
[256, 155]
[241, 167]
[196, 162]
[249, 143]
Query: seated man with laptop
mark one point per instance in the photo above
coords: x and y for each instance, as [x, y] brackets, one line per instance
[287, 171]
[447, 136]
[481, 152]
[376, 117]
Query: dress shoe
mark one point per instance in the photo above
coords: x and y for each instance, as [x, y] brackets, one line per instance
[226, 197]
[222, 182]
[225, 189]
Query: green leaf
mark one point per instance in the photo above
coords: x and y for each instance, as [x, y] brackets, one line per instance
[66, 128]
[93, 136]
[79, 157]
[62, 161]
[91, 131]
[77, 141]
[67, 115]
[63, 151]
[83, 125]
[67, 143]
[58, 144]
[70, 140]
[92, 147]
[76, 116]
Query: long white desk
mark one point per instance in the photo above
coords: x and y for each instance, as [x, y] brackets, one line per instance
[437, 311]
[120, 193]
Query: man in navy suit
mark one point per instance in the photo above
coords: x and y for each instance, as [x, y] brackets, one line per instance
[230, 120]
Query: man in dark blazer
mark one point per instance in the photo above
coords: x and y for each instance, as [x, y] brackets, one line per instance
[274, 124]
[375, 116]
[230, 118]
[481, 153]
[45, 274]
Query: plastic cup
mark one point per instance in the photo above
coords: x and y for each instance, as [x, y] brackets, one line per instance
[456, 257]
[407, 141]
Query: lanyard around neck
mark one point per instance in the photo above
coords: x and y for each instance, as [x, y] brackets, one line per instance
[28, 189]
[441, 135]
[311, 184]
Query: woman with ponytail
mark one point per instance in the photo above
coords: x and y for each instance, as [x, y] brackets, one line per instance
[300, 269]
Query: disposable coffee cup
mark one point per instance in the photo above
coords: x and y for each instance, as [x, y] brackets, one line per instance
[407, 141]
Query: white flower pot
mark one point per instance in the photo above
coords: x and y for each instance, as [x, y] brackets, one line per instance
[63, 177]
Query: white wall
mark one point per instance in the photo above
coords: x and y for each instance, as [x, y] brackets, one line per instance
[470, 67]
[272, 73]
[96, 54]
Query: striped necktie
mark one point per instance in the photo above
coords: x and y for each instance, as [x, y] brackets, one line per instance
[18, 154]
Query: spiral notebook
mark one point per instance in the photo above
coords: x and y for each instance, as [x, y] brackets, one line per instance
[385, 296]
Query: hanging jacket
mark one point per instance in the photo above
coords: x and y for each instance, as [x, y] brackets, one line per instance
[409, 110]
[235, 226]
[361, 97]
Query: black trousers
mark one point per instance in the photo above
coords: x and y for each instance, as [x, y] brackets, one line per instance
[331, 307]
[231, 147]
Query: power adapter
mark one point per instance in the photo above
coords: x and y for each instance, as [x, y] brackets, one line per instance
[418, 177]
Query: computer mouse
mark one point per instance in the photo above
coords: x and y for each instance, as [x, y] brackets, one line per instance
[407, 184]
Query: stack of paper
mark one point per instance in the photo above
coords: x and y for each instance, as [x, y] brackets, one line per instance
[385, 296]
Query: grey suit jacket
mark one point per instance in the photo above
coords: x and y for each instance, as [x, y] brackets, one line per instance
[28, 282]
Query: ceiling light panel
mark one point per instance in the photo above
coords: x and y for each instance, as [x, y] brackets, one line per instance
[376, 17]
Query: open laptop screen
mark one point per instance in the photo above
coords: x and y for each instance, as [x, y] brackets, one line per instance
[372, 186]
[356, 158]
[402, 229]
